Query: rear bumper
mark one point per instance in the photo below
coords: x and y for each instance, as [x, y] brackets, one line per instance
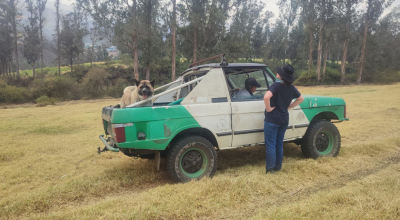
[107, 145]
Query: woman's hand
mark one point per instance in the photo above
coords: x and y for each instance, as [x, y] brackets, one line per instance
[270, 109]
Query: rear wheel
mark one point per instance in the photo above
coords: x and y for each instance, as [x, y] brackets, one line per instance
[322, 139]
[192, 157]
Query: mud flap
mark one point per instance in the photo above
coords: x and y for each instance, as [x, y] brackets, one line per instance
[158, 160]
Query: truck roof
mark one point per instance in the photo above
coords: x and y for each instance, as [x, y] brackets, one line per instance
[230, 65]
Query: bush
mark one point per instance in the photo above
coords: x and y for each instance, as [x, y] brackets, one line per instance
[60, 87]
[95, 83]
[44, 101]
[13, 94]
[306, 80]
[386, 77]
[332, 76]
[117, 90]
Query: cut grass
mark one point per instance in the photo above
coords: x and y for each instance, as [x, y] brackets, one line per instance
[49, 169]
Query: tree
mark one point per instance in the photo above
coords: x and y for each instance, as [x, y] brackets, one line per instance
[95, 36]
[71, 37]
[173, 39]
[346, 19]
[6, 39]
[14, 21]
[32, 43]
[148, 24]
[57, 34]
[374, 11]
[321, 26]
[120, 18]
[309, 16]
[41, 6]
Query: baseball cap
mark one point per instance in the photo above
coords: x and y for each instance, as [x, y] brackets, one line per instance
[252, 82]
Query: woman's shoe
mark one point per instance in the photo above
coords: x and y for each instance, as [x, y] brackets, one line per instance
[271, 171]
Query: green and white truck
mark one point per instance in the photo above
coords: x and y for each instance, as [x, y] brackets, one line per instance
[197, 115]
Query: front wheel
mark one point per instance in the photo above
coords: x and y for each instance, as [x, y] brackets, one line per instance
[322, 139]
[192, 157]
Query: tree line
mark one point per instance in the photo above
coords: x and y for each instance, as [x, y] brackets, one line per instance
[355, 35]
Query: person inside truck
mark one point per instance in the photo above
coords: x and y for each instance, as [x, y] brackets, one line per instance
[250, 86]
[278, 100]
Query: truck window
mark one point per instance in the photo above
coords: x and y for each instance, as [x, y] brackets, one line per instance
[236, 82]
[186, 90]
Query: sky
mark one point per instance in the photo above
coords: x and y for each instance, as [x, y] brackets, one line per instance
[270, 5]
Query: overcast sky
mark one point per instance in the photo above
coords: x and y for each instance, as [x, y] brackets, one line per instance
[65, 8]
[270, 5]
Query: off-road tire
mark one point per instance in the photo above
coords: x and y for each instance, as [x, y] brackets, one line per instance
[322, 139]
[203, 155]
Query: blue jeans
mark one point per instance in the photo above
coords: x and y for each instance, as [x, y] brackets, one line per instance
[273, 135]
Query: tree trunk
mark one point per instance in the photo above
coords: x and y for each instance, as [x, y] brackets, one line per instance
[319, 51]
[310, 54]
[173, 39]
[325, 58]
[194, 59]
[344, 60]
[362, 53]
[134, 43]
[57, 3]
[10, 69]
[148, 70]
[41, 38]
[33, 70]
[149, 38]
[14, 27]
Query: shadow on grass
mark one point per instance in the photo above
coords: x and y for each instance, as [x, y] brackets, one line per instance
[142, 174]
[255, 155]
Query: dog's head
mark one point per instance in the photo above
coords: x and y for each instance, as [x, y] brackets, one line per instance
[145, 88]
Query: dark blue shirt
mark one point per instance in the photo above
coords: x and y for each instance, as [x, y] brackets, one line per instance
[281, 99]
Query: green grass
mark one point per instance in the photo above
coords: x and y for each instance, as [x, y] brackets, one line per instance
[49, 169]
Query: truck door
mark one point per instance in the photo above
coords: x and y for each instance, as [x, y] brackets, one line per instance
[209, 104]
[248, 114]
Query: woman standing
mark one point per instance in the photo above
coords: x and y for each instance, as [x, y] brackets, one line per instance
[277, 103]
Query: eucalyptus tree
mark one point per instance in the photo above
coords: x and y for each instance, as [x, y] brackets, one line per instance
[147, 16]
[15, 18]
[32, 45]
[41, 6]
[71, 37]
[119, 18]
[374, 11]
[347, 12]
[57, 34]
[288, 16]
[203, 24]
[308, 15]
[6, 39]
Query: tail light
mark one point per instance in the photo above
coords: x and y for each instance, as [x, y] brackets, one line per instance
[119, 131]
[345, 114]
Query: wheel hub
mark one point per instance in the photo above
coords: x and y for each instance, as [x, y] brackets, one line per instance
[192, 161]
[322, 142]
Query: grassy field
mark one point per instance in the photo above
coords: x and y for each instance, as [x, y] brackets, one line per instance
[49, 169]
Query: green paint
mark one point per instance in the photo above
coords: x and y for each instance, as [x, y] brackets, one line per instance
[313, 105]
[329, 149]
[159, 124]
[203, 168]
[177, 102]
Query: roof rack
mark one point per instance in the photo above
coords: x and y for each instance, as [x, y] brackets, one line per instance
[223, 61]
